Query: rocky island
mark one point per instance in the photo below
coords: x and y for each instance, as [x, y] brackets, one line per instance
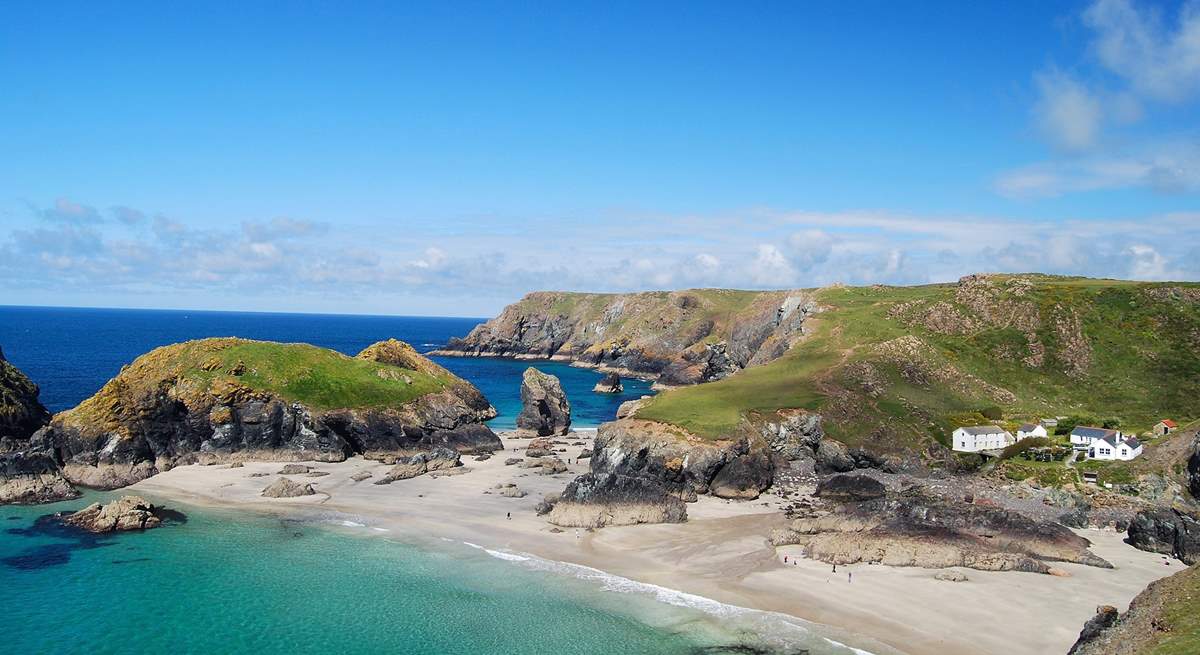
[228, 399]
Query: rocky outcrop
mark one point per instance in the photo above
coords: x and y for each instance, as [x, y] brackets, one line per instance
[545, 409]
[31, 477]
[1167, 531]
[1193, 468]
[1105, 618]
[438, 459]
[288, 488]
[233, 399]
[685, 337]
[1161, 614]
[125, 513]
[595, 500]
[21, 413]
[642, 471]
[911, 528]
[610, 383]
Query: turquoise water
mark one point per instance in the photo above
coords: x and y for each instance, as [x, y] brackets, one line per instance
[231, 582]
[72, 352]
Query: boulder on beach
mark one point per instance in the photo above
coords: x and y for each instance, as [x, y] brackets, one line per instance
[288, 488]
[544, 406]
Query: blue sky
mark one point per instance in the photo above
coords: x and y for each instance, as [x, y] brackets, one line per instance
[436, 159]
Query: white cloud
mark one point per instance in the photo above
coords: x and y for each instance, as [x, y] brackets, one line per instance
[1067, 113]
[1155, 58]
[770, 267]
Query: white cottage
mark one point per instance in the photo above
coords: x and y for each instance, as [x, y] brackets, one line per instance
[974, 438]
[1123, 449]
[1030, 430]
[1083, 436]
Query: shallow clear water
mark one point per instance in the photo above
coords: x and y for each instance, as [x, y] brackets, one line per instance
[236, 582]
[72, 352]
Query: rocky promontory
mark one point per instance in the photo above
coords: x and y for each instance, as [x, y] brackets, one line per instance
[643, 471]
[678, 337]
[545, 409]
[233, 399]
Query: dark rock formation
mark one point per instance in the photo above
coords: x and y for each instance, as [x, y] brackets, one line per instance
[159, 413]
[1105, 618]
[125, 513]
[832, 456]
[21, 413]
[684, 336]
[544, 406]
[31, 477]
[610, 383]
[1167, 531]
[288, 488]
[596, 500]
[912, 528]
[850, 488]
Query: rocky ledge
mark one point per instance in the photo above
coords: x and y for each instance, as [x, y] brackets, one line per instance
[644, 472]
[21, 413]
[869, 523]
[125, 513]
[233, 399]
[1169, 531]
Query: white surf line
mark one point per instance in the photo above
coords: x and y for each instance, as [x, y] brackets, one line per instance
[618, 584]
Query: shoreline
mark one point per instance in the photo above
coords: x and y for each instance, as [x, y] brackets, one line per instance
[558, 359]
[720, 555]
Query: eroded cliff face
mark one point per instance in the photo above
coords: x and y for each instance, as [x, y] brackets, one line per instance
[644, 471]
[193, 403]
[680, 337]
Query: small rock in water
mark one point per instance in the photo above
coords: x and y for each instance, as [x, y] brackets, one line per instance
[125, 513]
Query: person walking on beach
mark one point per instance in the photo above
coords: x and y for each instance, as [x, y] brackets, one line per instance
[835, 568]
[849, 577]
[785, 559]
[509, 515]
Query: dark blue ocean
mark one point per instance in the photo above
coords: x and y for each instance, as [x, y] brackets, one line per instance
[72, 352]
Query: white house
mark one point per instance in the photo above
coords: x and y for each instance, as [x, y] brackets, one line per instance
[1083, 436]
[1121, 448]
[1031, 430]
[974, 438]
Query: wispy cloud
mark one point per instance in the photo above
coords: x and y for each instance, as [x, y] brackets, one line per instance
[1138, 57]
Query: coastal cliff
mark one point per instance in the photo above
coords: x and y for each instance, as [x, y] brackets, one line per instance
[231, 399]
[677, 337]
[21, 413]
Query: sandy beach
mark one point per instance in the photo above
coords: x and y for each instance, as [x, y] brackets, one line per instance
[720, 553]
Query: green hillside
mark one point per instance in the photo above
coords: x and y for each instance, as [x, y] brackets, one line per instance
[895, 367]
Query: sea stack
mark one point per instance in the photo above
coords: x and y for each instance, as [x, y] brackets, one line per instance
[610, 383]
[544, 407]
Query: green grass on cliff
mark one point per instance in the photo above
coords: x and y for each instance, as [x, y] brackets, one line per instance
[1142, 363]
[319, 378]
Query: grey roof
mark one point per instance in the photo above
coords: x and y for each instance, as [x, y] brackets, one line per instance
[982, 429]
[1028, 427]
[1133, 443]
[1092, 433]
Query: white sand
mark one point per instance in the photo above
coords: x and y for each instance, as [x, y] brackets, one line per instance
[720, 553]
